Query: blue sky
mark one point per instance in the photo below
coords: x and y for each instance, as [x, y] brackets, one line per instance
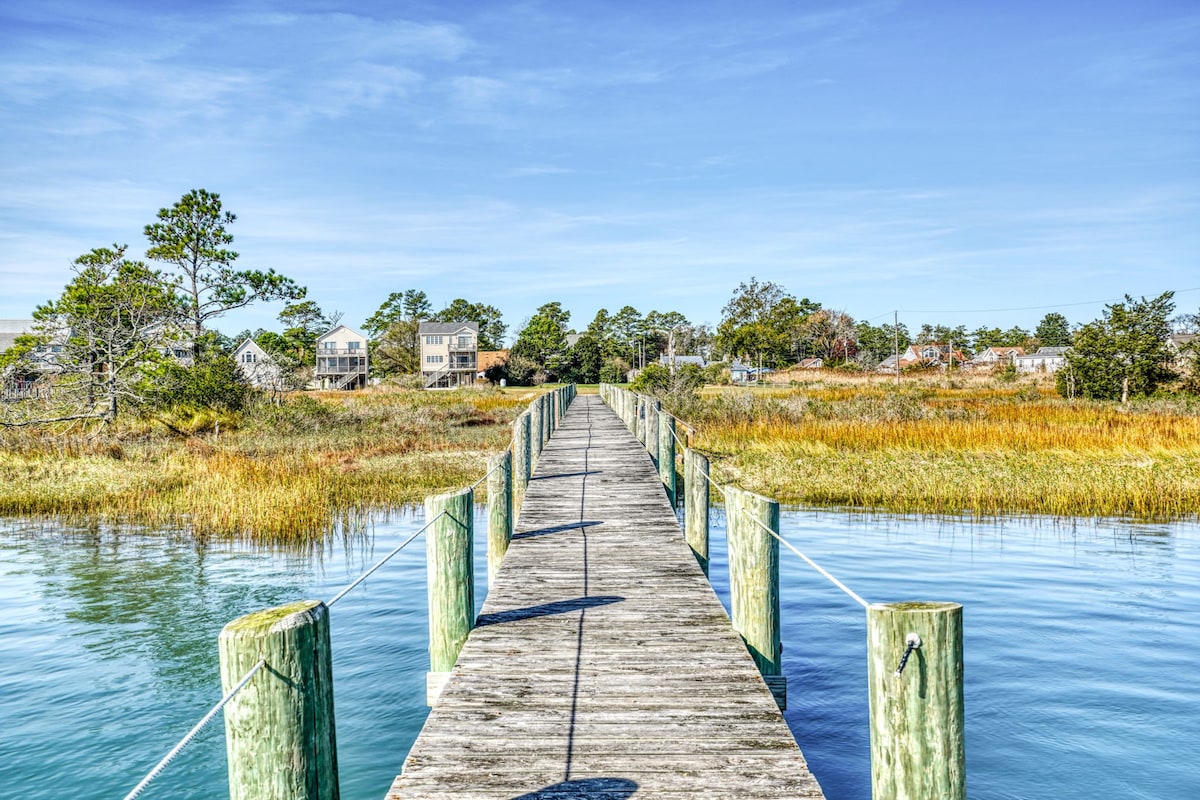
[978, 163]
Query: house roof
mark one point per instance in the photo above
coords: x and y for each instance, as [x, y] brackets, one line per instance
[250, 344]
[447, 327]
[345, 328]
[1047, 352]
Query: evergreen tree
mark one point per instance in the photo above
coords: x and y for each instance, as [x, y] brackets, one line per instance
[192, 237]
[1124, 354]
[1053, 331]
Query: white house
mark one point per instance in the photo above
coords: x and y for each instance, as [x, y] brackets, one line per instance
[995, 356]
[257, 366]
[449, 353]
[341, 359]
[1047, 360]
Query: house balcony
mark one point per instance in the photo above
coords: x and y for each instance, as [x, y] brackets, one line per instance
[341, 365]
[468, 347]
[341, 351]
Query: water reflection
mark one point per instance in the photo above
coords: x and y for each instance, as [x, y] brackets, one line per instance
[1079, 635]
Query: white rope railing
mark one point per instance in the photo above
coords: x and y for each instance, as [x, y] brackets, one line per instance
[169, 757]
[383, 560]
[810, 562]
[488, 474]
[853, 595]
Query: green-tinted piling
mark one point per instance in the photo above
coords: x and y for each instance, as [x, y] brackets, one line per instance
[917, 744]
[279, 731]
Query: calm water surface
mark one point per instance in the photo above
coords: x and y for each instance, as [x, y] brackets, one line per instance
[1081, 650]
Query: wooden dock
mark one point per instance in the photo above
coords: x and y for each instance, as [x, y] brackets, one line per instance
[603, 664]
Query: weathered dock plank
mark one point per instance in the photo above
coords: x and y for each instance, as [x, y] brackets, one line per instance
[602, 665]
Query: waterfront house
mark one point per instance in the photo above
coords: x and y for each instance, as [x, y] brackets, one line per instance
[449, 354]
[257, 366]
[341, 359]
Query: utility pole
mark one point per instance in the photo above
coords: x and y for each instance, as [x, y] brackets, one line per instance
[896, 343]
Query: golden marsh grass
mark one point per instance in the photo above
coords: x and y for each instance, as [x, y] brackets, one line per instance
[977, 448]
[276, 473]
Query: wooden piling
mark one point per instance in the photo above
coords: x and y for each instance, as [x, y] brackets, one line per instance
[666, 454]
[535, 430]
[652, 408]
[754, 581]
[917, 747]
[522, 462]
[279, 731]
[640, 418]
[450, 574]
[500, 516]
[696, 500]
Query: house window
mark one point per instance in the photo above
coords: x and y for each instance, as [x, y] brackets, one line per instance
[353, 345]
[434, 339]
[249, 358]
[329, 345]
[464, 341]
[434, 359]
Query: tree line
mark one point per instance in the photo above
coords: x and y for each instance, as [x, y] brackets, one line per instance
[140, 333]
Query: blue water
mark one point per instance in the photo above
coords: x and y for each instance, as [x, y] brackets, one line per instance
[1081, 651]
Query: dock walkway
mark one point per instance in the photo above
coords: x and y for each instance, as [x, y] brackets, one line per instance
[603, 664]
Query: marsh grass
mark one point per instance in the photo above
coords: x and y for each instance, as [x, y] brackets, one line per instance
[979, 447]
[276, 473]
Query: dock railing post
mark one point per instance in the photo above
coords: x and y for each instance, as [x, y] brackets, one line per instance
[500, 516]
[653, 406]
[666, 454]
[538, 429]
[450, 574]
[640, 418]
[279, 732]
[522, 459]
[754, 581]
[695, 507]
[915, 673]
[547, 421]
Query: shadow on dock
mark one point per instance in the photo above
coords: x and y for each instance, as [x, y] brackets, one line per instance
[591, 788]
[546, 609]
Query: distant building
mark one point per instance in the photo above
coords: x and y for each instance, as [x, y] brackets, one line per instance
[44, 358]
[257, 366]
[811, 363]
[1047, 360]
[10, 329]
[739, 372]
[931, 354]
[341, 359]
[449, 354]
[888, 364]
[486, 359]
[995, 356]
[699, 361]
